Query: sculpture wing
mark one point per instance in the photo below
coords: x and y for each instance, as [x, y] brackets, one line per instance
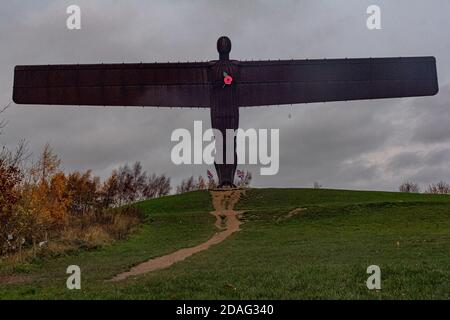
[305, 81]
[159, 85]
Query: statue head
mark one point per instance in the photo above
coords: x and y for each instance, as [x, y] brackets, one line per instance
[224, 48]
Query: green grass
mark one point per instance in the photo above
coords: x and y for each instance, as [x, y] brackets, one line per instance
[320, 253]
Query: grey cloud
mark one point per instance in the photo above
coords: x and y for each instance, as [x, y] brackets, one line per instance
[405, 160]
[439, 157]
[433, 120]
[328, 143]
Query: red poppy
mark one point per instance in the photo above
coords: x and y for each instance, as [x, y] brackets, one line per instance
[228, 80]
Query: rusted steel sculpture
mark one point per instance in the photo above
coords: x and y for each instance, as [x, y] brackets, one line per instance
[225, 85]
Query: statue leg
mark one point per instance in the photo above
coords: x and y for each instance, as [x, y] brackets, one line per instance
[225, 172]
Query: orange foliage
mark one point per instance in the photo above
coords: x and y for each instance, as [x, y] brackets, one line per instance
[45, 204]
[10, 219]
[45, 197]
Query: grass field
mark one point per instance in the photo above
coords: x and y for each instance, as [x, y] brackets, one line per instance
[319, 253]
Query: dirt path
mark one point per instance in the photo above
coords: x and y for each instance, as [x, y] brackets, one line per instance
[291, 214]
[227, 221]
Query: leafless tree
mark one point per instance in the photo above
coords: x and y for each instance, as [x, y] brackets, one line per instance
[151, 187]
[3, 122]
[163, 186]
[17, 157]
[212, 184]
[409, 187]
[125, 187]
[135, 184]
[156, 186]
[441, 187]
[139, 178]
[187, 185]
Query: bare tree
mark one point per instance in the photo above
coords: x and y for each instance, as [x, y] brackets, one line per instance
[187, 185]
[17, 157]
[156, 186]
[124, 181]
[139, 178]
[441, 187]
[212, 184]
[110, 190]
[163, 186]
[409, 187]
[201, 184]
[317, 185]
[135, 184]
[151, 187]
[3, 122]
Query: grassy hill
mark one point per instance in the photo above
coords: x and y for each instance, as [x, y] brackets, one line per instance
[280, 253]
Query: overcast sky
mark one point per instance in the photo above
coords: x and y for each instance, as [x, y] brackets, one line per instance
[355, 145]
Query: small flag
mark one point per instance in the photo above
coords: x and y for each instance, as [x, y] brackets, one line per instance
[241, 174]
[210, 175]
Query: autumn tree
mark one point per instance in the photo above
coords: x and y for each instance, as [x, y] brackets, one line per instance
[85, 192]
[45, 197]
[47, 165]
[14, 221]
[39, 203]
[11, 223]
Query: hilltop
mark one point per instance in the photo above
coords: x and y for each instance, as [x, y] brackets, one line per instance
[292, 244]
